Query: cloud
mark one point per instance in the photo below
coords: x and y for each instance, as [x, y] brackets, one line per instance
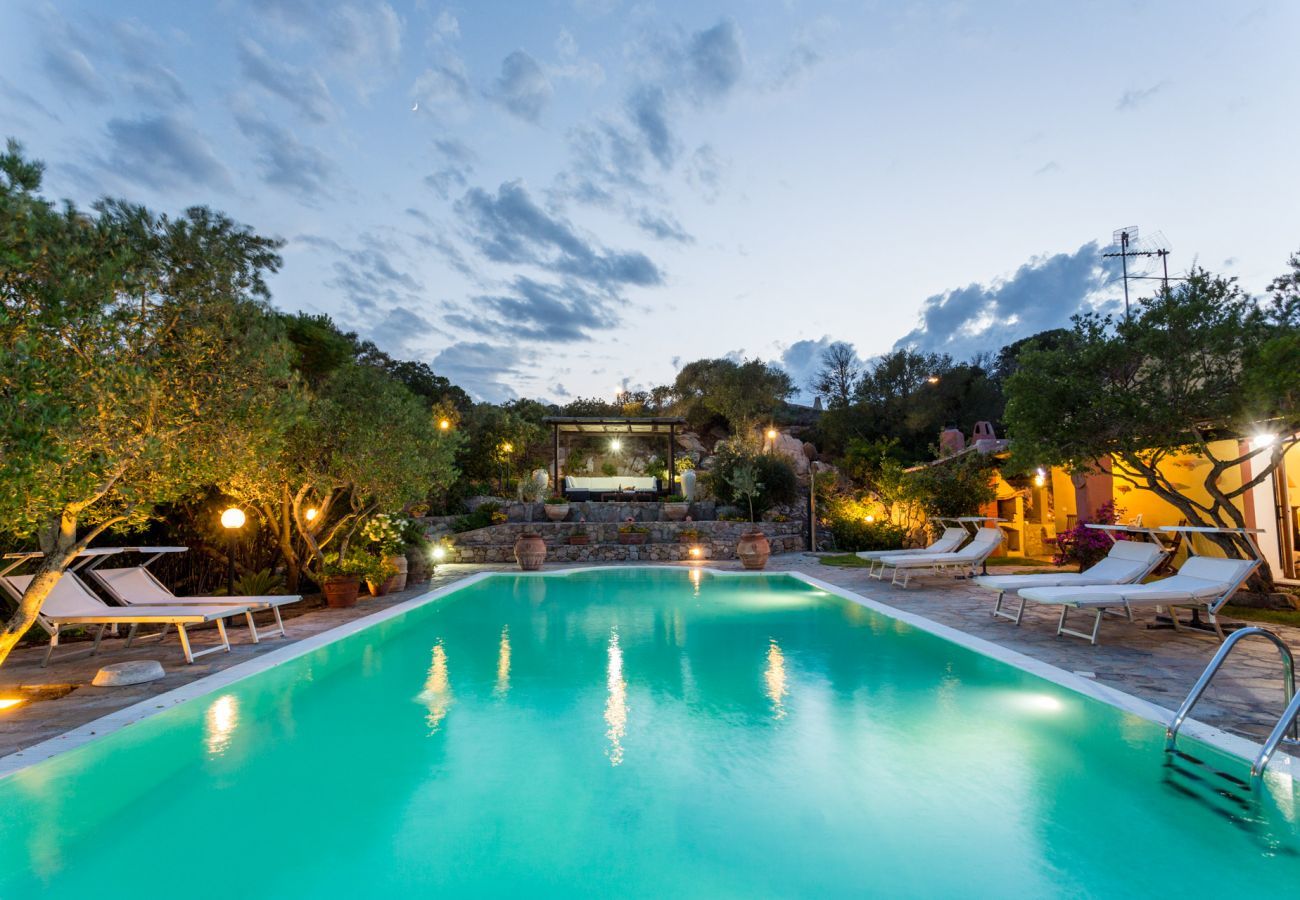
[1135, 97]
[534, 311]
[302, 88]
[458, 165]
[147, 76]
[510, 228]
[647, 107]
[72, 72]
[484, 370]
[284, 161]
[522, 87]
[446, 27]
[162, 152]
[802, 359]
[1042, 294]
[572, 66]
[663, 226]
[1048, 168]
[559, 391]
[714, 60]
[400, 330]
[367, 275]
[443, 87]
[353, 36]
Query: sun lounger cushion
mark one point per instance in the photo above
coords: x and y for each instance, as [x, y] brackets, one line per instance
[1126, 562]
[948, 541]
[135, 586]
[71, 603]
[610, 483]
[1201, 579]
[986, 540]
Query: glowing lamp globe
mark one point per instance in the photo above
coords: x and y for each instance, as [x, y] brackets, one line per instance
[233, 518]
[312, 513]
[439, 554]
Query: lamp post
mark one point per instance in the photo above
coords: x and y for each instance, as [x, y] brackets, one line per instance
[232, 520]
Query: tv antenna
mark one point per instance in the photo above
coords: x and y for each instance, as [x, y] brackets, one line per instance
[1126, 239]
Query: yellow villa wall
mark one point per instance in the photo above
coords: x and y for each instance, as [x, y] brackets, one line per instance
[1188, 473]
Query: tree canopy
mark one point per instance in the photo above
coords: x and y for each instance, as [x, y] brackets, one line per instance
[1198, 362]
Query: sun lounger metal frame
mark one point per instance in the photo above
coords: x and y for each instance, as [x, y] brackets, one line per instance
[1211, 605]
[920, 565]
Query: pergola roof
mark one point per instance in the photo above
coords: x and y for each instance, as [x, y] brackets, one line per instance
[614, 424]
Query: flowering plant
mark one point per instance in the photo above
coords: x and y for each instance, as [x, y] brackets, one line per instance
[1083, 545]
[386, 532]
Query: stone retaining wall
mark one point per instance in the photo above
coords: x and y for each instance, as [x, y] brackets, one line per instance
[496, 544]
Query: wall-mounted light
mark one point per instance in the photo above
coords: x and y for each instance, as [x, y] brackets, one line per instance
[8, 703]
[615, 445]
[1260, 441]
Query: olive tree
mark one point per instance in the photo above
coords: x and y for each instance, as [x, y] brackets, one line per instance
[1195, 364]
[365, 444]
[137, 365]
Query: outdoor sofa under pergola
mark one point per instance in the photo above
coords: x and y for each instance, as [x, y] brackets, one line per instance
[613, 487]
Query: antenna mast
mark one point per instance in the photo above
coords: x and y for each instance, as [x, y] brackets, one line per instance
[1126, 239]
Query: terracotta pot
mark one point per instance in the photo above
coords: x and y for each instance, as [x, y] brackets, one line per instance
[632, 537]
[684, 538]
[397, 581]
[377, 588]
[530, 552]
[341, 590]
[753, 550]
[675, 512]
[556, 512]
[579, 540]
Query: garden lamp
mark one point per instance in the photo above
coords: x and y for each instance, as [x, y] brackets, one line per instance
[232, 520]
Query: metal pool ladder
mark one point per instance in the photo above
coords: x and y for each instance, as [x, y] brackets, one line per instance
[1284, 724]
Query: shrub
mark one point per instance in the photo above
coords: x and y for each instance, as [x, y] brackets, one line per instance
[1084, 546]
[608, 469]
[856, 534]
[774, 474]
[485, 515]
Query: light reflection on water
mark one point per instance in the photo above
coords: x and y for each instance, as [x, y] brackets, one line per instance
[616, 703]
[503, 663]
[775, 678]
[220, 723]
[437, 689]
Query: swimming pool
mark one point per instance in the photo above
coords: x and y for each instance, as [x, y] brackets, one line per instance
[639, 732]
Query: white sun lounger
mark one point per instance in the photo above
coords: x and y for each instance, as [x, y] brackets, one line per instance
[1204, 582]
[70, 604]
[1128, 562]
[947, 542]
[136, 586]
[964, 561]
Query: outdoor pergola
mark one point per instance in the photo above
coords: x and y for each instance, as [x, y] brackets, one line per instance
[614, 427]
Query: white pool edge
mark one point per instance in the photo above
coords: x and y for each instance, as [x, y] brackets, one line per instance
[1231, 744]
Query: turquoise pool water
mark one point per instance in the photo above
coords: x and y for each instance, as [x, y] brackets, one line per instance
[639, 733]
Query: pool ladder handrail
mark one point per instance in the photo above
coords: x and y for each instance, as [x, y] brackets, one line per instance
[1285, 723]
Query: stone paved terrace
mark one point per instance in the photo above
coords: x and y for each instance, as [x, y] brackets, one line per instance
[1159, 666]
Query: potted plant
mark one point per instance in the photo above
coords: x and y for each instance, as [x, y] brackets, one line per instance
[752, 549]
[388, 540]
[380, 574]
[676, 507]
[557, 508]
[633, 534]
[341, 576]
[580, 538]
[689, 535]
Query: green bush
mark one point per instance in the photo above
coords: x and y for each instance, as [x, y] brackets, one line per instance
[482, 517]
[772, 471]
[855, 534]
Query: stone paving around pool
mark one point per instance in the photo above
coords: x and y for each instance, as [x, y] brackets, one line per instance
[1157, 665]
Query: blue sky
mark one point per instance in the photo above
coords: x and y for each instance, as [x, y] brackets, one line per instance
[560, 199]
